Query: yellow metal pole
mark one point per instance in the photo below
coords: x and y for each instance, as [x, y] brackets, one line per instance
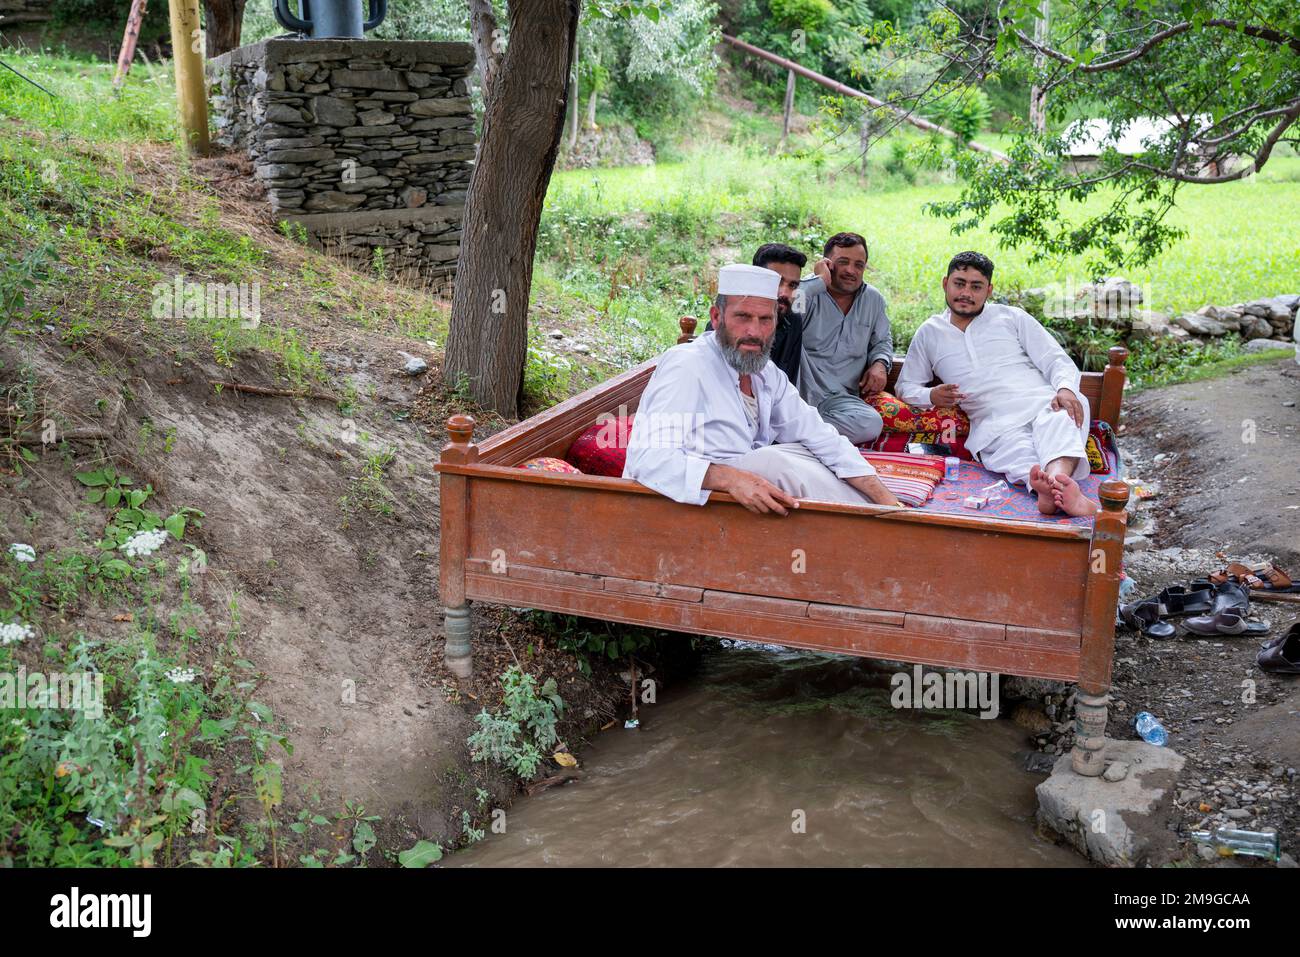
[191, 94]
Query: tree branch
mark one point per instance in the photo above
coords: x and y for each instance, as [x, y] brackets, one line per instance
[1260, 33]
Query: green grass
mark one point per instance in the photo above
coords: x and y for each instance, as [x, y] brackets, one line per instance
[1241, 241]
[83, 104]
[1150, 368]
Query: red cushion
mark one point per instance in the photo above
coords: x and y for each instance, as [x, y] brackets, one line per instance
[602, 449]
[901, 417]
[547, 463]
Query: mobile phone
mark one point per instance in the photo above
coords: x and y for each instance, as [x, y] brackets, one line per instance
[928, 448]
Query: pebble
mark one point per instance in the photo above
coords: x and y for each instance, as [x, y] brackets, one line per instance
[1237, 813]
[1116, 771]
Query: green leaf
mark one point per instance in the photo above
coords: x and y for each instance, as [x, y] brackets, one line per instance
[95, 495]
[114, 568]
[175, 524]
[422, 854]
[363, 837]
[111, 497]
[92, 478]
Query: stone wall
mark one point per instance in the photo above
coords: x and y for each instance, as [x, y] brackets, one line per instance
[1116, 304]
[364, 143]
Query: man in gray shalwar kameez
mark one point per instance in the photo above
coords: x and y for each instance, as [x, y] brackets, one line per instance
[848, 348]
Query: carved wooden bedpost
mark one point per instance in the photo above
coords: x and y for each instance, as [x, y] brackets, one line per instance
[1099, 602]
[687, 325]
[454, 545]
[1112, 386]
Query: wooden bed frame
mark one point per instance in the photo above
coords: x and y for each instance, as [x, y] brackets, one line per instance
[966, 592]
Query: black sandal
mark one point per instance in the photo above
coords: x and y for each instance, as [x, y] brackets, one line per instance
[1281, 656]
[1144, 616]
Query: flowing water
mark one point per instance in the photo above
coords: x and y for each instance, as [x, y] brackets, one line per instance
[774, 757]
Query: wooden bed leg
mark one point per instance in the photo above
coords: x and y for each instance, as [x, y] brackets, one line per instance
[458, 654]
[1101, 595]
[1089, 755]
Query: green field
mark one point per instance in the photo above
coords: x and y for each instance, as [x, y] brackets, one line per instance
[1241, 243]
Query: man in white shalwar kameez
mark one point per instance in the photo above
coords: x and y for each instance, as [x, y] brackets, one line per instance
[714, 407]
[1028, 419]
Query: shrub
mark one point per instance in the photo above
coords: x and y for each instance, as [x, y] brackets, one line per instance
[518, 733]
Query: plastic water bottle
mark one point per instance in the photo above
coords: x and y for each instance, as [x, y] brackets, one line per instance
[1228, 842]
[1150, 729]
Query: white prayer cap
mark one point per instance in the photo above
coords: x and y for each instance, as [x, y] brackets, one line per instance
[748, 281]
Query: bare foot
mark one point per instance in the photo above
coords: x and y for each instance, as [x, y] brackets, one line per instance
[1067, 495]
[1041, 483]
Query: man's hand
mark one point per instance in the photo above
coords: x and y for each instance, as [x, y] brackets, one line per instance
[873, 379]
[749, 489]
[947, 394]
[822, 268]
[874, 489]
[1067, 400]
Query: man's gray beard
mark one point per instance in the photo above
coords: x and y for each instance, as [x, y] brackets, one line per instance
[746, 363]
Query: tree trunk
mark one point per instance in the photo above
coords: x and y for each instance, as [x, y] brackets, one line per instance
[591, 110]
[523, 122]
[573, 99]
[129, 40]
[1037, 97]
[787, 113]
[487, 42]
[223, 23]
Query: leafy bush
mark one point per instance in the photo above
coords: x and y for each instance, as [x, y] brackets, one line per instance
[803, 14]
[585, 637]
[518, 734]
[965, 112]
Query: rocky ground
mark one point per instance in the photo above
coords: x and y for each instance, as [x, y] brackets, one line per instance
[1222, 456]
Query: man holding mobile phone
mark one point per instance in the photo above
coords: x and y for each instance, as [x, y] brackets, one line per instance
[848, 348]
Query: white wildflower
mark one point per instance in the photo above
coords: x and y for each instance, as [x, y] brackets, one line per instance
[144, 544]
[22, 553]
[16, 632]
[181, 676]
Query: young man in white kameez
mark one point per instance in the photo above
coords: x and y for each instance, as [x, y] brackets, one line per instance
[1028, 419]
[714, 407]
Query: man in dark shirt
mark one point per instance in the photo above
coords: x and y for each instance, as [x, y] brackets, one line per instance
[787, 343]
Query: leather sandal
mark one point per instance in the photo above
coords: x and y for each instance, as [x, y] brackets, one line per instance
[1281, 656]
[1144, 616]
[1180, 600]
[1227, 616]
[1263, 576]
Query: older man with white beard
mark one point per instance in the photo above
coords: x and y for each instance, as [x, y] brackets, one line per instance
[714, 407]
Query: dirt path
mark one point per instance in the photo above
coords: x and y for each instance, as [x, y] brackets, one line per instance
[1224, 454]
[1231, 450]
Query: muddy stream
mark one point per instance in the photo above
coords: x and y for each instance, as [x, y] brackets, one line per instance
[728, 764]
